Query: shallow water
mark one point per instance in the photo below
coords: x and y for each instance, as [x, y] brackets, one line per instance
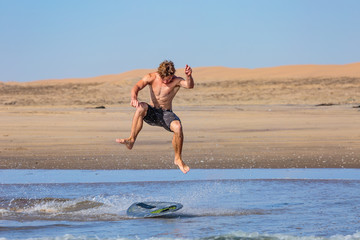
[218, 204]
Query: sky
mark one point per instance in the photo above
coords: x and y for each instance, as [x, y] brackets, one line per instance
[56, 39]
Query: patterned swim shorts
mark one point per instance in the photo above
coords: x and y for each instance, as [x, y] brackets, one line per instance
[160, 117]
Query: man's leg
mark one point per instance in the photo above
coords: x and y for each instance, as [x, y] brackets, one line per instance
[177, 142]
[136, 126]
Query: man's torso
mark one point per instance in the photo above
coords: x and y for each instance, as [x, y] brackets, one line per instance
[162, 94]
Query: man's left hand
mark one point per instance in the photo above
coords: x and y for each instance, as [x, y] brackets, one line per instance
[188, 70]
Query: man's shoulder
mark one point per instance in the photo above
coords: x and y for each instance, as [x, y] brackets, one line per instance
[153, 74]
[178, 78]
[150, 77]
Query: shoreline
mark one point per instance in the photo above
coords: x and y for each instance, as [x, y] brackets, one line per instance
[216, 137]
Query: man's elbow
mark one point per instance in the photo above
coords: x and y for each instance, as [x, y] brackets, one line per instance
[135, 89]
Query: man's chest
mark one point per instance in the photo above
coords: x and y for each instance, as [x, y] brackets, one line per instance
[163, 90]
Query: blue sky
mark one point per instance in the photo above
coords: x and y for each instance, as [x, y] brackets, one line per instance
[47, 39]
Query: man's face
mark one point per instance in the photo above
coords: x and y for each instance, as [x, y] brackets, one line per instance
[167, 79]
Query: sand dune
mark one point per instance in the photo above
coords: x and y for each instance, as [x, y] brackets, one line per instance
[225, 73]
[283, 72]
[299, 84]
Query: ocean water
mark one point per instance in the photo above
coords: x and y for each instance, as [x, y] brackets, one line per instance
[218, 204]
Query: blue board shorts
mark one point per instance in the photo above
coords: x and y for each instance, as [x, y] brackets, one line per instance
[160, 117]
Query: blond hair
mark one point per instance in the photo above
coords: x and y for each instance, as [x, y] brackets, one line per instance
[166, 68]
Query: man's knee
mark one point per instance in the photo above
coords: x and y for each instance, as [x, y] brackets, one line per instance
[142, 108]
[176, 127]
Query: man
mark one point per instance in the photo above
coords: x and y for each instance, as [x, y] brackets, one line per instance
[163, 86]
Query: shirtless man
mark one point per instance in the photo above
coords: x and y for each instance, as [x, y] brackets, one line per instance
[163, 86]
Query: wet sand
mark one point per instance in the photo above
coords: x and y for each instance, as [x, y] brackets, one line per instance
[238, 136]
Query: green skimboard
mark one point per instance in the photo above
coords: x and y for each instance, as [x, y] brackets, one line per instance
[152, 209]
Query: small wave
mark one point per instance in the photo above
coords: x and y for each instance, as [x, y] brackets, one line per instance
[257, 236]
[47, 205]
[80, 209]
[97, 208]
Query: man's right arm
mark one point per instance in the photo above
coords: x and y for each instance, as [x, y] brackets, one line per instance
[138, 86]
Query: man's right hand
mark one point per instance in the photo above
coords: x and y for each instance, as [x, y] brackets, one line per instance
[134, 103]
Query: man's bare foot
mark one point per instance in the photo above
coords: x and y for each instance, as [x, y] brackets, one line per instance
[127, 142]
[183, 167]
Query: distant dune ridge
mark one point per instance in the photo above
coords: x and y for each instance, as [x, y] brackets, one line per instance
[298, 84]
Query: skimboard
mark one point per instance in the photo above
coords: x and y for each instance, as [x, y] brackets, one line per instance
[152, 209]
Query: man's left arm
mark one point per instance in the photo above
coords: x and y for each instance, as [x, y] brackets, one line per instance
[189, 81]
